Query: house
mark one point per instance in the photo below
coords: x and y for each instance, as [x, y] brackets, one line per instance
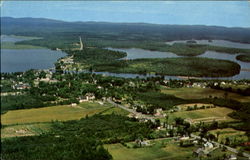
[141, 143]
[208, 145]
[87, 97]
[73, 104]
[158, 112]
[184, 138]
[21, 86]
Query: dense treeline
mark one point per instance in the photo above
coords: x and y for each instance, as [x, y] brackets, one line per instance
[96, 55]
[107, 128]
[53, 148]
[78, 140]
[120, 31]
[65, 35]
[242, 91]
[243, 58]
[198, 67]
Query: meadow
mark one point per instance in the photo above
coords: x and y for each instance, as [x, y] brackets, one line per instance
[156, 152]
[160, 150]
[206, 115]
[200, 93]
[48, 114]
[25, 130]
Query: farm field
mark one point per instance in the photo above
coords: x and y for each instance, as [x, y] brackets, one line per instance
[47, 114]
[24, 130]
[199, 93]
[159, 151]
[156, 152]
[205, 115]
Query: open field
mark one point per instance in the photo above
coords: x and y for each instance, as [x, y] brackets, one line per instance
[47, 114]
[199, 93]
[156, 152]
[206, 115]
[24, 130]
[115, 110]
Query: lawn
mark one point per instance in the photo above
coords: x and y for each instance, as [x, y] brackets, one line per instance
[199, 93]
[47, 114]
[218, 113]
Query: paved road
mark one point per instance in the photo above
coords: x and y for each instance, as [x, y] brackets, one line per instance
[139, 115]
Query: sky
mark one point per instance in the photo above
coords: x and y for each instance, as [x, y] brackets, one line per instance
[216, 13]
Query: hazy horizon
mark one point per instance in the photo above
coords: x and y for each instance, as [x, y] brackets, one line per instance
[209, 13]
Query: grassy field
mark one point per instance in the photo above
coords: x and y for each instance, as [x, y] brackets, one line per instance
[115, 110]
[25, 130]
[218, 113]
[48, 114]
[199, 93]
[156, 152]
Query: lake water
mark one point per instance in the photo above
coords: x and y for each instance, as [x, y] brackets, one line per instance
[222, 43]
[15, 60]
[19, 60]
[135, 53]
[12, 38]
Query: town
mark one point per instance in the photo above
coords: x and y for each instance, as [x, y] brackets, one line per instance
[172, 109]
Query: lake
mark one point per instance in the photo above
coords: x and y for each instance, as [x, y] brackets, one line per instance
[19, 60]
[221, 43]
[136, 53]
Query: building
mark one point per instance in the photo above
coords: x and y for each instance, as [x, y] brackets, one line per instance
[21, 86]
[208, 145]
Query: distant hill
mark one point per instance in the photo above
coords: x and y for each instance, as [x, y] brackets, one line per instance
[139, 31]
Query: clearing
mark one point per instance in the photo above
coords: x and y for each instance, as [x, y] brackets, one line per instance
[48, 114]
[204, 115]
[199, 93]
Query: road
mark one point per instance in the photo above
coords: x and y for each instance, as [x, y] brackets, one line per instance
[139, 115]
